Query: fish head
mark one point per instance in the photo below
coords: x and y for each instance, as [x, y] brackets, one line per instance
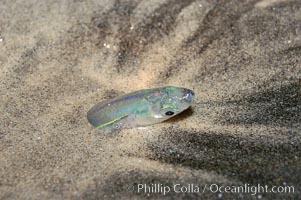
[170, 101]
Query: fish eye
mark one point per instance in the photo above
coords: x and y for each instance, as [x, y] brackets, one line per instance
[169, 113]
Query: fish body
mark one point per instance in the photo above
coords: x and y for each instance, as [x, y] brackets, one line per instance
[140, 108]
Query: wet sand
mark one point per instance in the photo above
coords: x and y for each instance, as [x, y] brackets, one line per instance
[59, 58]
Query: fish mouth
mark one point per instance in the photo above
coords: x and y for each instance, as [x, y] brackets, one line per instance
[188, 95]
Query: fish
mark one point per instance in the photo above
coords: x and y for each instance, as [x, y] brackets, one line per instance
[140, 108]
